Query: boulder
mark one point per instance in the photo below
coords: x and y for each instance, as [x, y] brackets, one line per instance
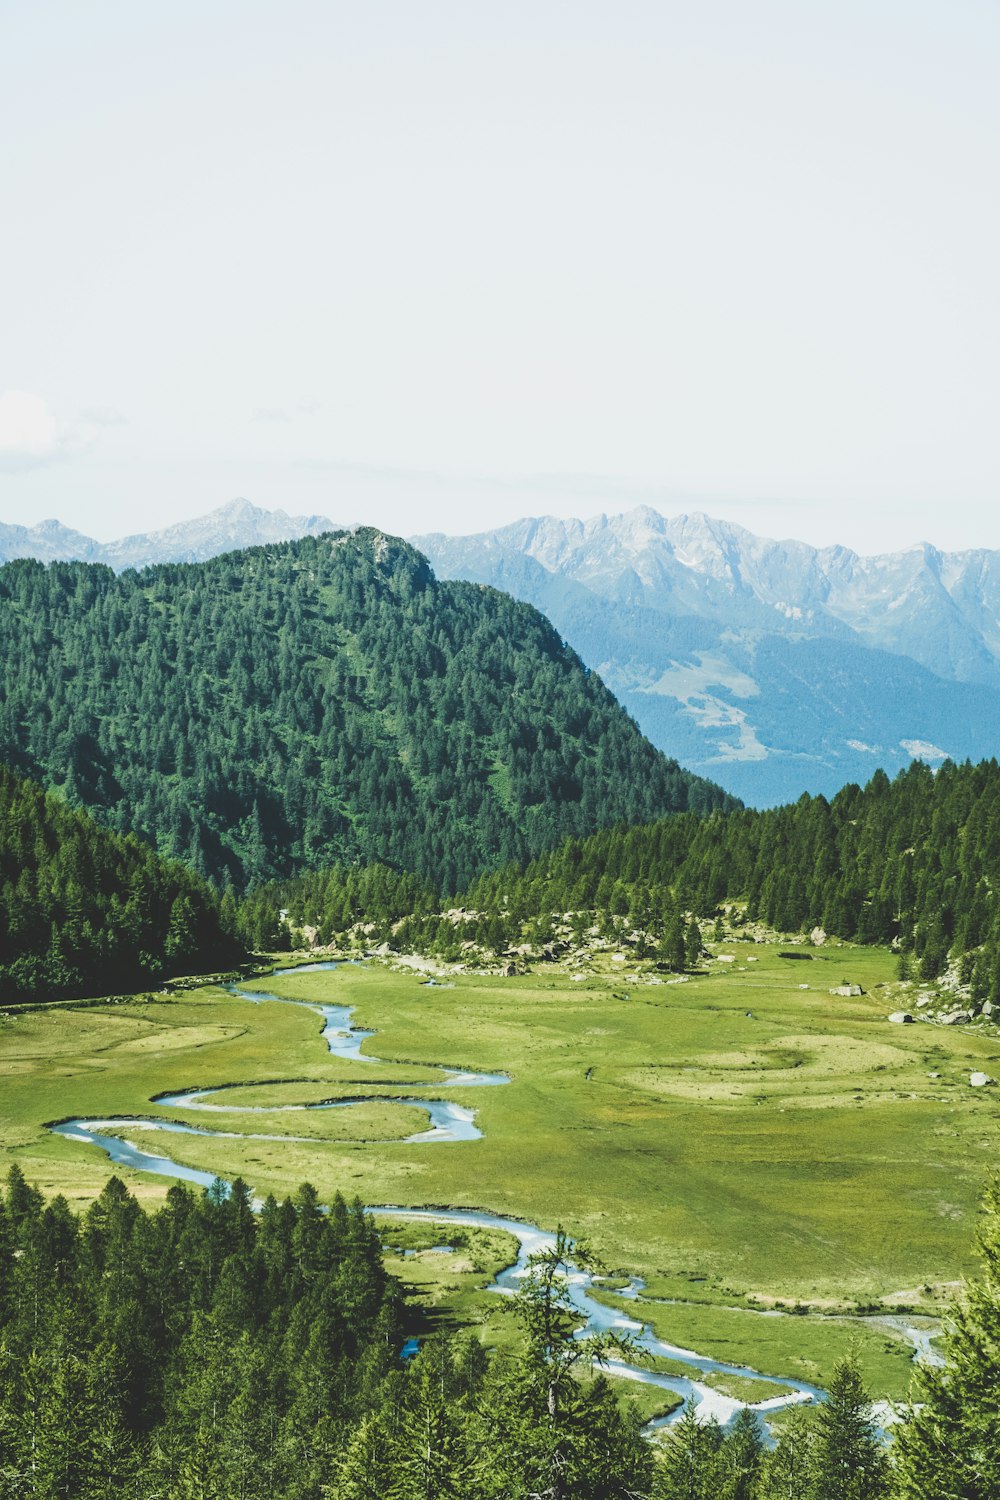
[989, 1009]
[901, 1017]
[847, 989]
[956, 1018]
[980, 1080]
[817, 937]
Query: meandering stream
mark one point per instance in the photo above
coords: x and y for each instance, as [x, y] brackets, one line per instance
[448, 1122]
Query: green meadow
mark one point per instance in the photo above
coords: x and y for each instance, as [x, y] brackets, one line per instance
[744, 1141]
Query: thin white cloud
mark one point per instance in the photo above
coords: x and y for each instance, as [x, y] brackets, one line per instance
[103, 416]
[307, 408]
[31, 435]
[28, 430]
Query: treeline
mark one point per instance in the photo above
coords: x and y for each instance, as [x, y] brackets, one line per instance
[84, 911]
[317, 702]
[210, 1352]
[914, 862]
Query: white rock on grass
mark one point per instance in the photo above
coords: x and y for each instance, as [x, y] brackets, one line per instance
[901, 1017]
[980, 1080]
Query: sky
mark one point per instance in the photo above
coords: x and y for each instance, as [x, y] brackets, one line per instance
[436, 264]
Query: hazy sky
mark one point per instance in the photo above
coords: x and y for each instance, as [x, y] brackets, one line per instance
[740, 255]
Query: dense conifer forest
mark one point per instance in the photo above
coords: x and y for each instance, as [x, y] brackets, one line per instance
[84, 911]
[914, 862]
[210, 1352]
[321, 701]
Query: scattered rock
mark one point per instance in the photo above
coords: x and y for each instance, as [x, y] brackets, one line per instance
[901, 1017]
[956, 1018]
[847, 990]
[725, 958]
[980, 1080]
[989, 1008]
[924, 1000]
[934, 1075]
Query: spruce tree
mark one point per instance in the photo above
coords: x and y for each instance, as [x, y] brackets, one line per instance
[949, 1449]
[849, 1460]
[691, 1465]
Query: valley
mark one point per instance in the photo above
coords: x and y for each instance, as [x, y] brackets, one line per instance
[741, 1141]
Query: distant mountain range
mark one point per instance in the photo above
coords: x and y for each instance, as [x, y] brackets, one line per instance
[228, 529]
[771, 667]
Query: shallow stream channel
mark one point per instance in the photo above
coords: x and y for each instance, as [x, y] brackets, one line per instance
[447, 1122]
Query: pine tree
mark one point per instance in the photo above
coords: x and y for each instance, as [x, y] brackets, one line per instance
[692, 943]
[741, 1458]
[949, 1449]
[787, 1471]
[691, 1466]
[848, 1457]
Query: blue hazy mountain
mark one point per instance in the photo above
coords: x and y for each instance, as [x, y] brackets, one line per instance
[772, 667]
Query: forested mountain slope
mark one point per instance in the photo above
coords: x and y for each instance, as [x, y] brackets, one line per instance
[915, 860]
[317, 701]
[84, 911]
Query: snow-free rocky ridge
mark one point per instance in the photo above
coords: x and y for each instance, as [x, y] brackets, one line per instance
[772, 666]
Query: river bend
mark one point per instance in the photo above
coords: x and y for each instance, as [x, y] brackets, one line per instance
[448, 1122]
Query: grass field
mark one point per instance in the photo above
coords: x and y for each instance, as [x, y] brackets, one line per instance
[739, 1140]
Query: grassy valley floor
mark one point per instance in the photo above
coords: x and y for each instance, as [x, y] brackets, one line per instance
[746, 1142]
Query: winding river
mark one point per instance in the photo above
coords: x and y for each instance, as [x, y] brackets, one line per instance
[448, 1122]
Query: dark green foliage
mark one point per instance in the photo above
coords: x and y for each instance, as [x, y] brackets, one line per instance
[210, 1351]
[333, 901]
[848, 1460]
[692, 1460]
[318, 702]
[950, 1447]
[915, 861]
[204, 1350]
[84, 911]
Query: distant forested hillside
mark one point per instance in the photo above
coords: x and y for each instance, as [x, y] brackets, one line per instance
[84, 911]
[324, 700]
[914, 861]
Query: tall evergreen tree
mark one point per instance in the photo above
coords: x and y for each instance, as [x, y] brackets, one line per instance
[949, 1449]
[849, 1461]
